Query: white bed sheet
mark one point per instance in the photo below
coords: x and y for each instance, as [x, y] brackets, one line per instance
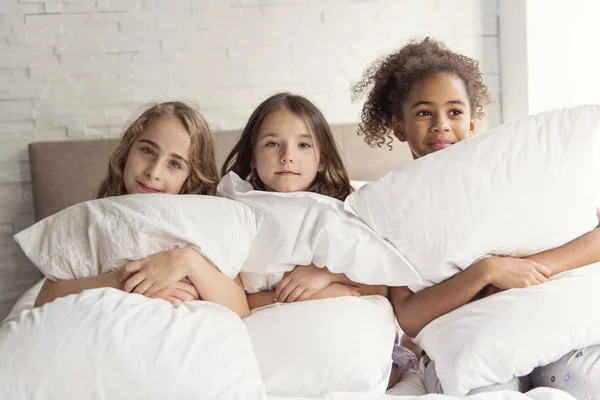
[409, 388]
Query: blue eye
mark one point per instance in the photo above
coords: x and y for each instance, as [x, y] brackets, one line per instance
[147, 150]
[175, 164]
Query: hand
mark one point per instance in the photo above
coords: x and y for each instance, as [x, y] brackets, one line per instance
[511, 273]
[301, 283]
[159, 271]
[336, 290]
[179, 292]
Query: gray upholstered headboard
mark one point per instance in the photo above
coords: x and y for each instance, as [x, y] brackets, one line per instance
[68, 172]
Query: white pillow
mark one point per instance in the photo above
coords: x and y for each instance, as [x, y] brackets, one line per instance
[102, 235]
[105, 343]
[516, 190]
[510, 333]
[315, 347]
[358, 184]
[303, 228]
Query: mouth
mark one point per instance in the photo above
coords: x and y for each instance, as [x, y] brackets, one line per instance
[440, 144]
[147, 189]
[286, 173]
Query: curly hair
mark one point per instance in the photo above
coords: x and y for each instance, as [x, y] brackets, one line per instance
[333, 181]
[388, 82]
[204, 175]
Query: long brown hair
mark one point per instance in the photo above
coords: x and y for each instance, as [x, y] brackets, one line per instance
[203, 177]
[332, 181]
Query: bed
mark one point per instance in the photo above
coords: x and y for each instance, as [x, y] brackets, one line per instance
[66, 173]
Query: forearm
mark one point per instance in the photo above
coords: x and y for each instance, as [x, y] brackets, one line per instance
[582, 251]
[261, 299]
[215, 287]
[52, 290]
[365, 290]
[415, 310]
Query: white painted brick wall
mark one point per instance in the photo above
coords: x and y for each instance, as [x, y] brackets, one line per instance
[79, 68]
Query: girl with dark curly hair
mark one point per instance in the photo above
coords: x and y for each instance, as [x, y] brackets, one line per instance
[429, 97]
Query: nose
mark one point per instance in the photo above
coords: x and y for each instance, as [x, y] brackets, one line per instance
[441, 124]
[287, 155]
[152, 170]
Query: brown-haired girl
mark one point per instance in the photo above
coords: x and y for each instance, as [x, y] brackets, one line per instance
[287, 146]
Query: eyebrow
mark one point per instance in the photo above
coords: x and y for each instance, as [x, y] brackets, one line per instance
[174, 155]
[429, 103]
[276, 135]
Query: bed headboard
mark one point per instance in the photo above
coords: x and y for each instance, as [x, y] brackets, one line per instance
[64, 173]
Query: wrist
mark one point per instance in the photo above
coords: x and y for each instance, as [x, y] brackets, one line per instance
[485, 271]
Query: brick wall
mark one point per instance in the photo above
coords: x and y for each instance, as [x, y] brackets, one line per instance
[72, 69]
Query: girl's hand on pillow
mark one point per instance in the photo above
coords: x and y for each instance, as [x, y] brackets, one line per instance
[159, 271]
[512, 273]
[336, 290]
[301, 283]
[179, 292]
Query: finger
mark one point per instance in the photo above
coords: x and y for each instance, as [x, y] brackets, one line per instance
[285, 293]
[282, 284]
[129, 269]
[542, 269]
[295, 294]
[540, 276]
[305, 295]
[189, 289]
[132, 282]
[155, 287]
[143, 287]
[173, 300]
[182, 295]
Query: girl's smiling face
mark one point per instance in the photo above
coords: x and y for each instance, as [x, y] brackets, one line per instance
[436, 115]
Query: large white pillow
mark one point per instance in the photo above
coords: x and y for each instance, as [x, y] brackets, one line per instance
[316, 347]
[105, 343]
[102, 235]
[303, 228]
[510, 333]
[516, 190]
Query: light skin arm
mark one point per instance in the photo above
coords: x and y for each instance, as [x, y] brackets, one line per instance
[266, 298]
[52, 290]
[151, 275]
[307, 280]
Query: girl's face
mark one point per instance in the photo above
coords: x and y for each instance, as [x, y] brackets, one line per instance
[436, 115]
[286, 157]
[158, 160]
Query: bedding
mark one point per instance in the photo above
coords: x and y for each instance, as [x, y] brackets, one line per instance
[316, 347]
[99, 236]
[512, 332]
[516, 190]
[303, 228]
[105, 343]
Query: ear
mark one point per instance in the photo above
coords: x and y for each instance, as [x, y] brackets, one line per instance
[398, 129]
[320, 167]
[472, 127]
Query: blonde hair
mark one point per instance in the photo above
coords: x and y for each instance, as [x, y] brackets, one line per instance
[203, 177]
[333, 181]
